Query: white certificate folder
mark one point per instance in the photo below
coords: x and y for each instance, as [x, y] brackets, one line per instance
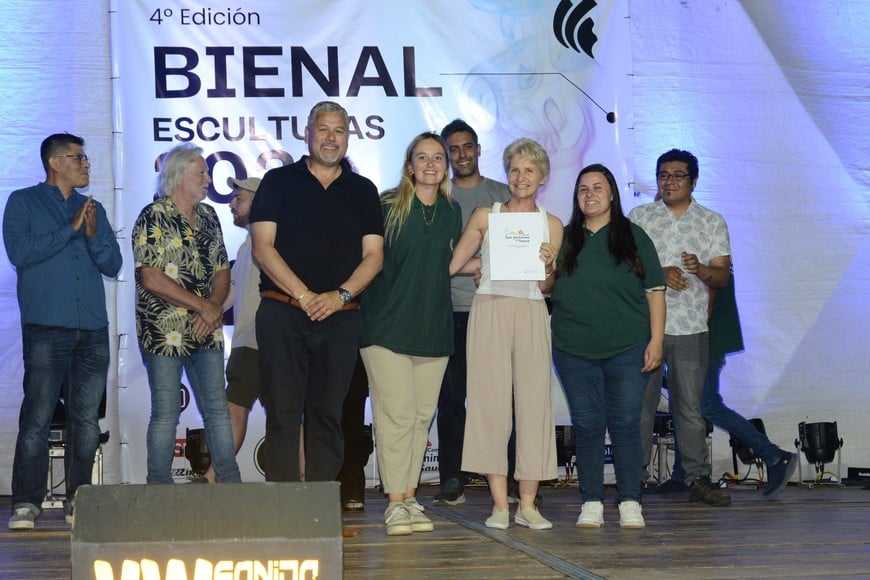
[515, 246]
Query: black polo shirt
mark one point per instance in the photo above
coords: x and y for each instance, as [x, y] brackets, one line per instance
[319, 230]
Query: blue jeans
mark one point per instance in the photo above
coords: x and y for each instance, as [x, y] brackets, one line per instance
[716, 412]
[57, 360]
[605, 394]
[205, 370]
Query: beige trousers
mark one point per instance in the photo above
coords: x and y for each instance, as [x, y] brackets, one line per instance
[509, 369]
[404, 393]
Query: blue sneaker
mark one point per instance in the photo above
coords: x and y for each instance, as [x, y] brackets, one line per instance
[24, 516]
[779, 473]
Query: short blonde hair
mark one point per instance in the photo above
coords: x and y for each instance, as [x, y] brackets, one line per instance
[531, 150]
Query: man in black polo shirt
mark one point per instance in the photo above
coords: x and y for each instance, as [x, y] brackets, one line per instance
[318, 237]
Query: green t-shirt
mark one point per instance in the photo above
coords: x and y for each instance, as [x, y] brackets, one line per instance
[724, 322]
[601, 309]
[407, 307]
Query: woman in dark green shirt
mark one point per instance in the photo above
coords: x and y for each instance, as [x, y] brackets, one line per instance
[408, 324]
[608, 326]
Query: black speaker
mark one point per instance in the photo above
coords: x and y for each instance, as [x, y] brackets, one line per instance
[233, 530]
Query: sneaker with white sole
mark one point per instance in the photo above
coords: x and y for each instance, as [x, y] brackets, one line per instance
[631, 515]
[532, 519]
[24, 516]
[442, 499]
[591, 515]
[419, 521]
[452, 493]
[397, 519]
[499, 520]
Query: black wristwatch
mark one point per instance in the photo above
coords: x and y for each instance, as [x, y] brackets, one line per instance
[345, 296]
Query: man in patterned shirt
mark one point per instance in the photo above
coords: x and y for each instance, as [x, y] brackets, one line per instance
[182, 279]
[695, 251]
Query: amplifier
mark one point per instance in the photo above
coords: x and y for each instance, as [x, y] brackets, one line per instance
[862, 473]
[663, 425]
[56, 436]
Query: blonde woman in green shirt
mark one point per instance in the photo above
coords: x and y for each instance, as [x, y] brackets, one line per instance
[408, 324]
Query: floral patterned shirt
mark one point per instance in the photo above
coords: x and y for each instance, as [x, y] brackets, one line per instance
[699, 231]
[163, 238]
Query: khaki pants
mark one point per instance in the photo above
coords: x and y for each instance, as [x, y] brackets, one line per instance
[509, 371]
[404, 391]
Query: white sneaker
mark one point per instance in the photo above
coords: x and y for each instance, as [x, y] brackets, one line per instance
[397, 520]
[419, 521]
[500, 519]
[532, 519]
[631, 515]
[409, 501]
[592, 515]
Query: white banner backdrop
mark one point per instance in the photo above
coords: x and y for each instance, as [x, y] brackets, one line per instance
[239, 82]
[770, 96]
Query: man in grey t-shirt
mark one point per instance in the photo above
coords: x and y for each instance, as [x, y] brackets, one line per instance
[470, 190]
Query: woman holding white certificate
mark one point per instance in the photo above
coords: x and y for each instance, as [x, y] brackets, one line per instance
[509, 358]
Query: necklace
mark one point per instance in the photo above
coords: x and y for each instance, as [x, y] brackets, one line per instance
[430, 219]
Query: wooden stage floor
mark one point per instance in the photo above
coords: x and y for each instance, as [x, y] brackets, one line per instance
[806, 533]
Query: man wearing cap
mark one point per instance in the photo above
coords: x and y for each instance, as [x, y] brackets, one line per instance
[243, 366]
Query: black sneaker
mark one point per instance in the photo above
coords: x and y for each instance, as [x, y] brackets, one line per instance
[452, 493]
[779, 473]
[705, 491]
[670, 486]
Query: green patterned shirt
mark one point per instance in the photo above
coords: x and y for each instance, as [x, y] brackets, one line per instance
[163, 238]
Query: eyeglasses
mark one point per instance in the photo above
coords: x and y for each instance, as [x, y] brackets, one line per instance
[664, 176]
[81, 158]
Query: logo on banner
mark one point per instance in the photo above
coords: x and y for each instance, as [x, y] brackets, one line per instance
[572, 27]
[183, 396]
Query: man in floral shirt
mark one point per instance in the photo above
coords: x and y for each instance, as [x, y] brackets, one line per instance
[182, 278]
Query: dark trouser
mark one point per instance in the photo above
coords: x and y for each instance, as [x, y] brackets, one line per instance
[451, 404]
[685, 357]
[305, 369]
[357, 443]
[59, 360]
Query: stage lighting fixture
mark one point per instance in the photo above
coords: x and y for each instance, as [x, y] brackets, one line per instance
[820, 443]
[746, 454]
[565, 449]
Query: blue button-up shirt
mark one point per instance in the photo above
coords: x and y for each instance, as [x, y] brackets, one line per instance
[60, 270]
